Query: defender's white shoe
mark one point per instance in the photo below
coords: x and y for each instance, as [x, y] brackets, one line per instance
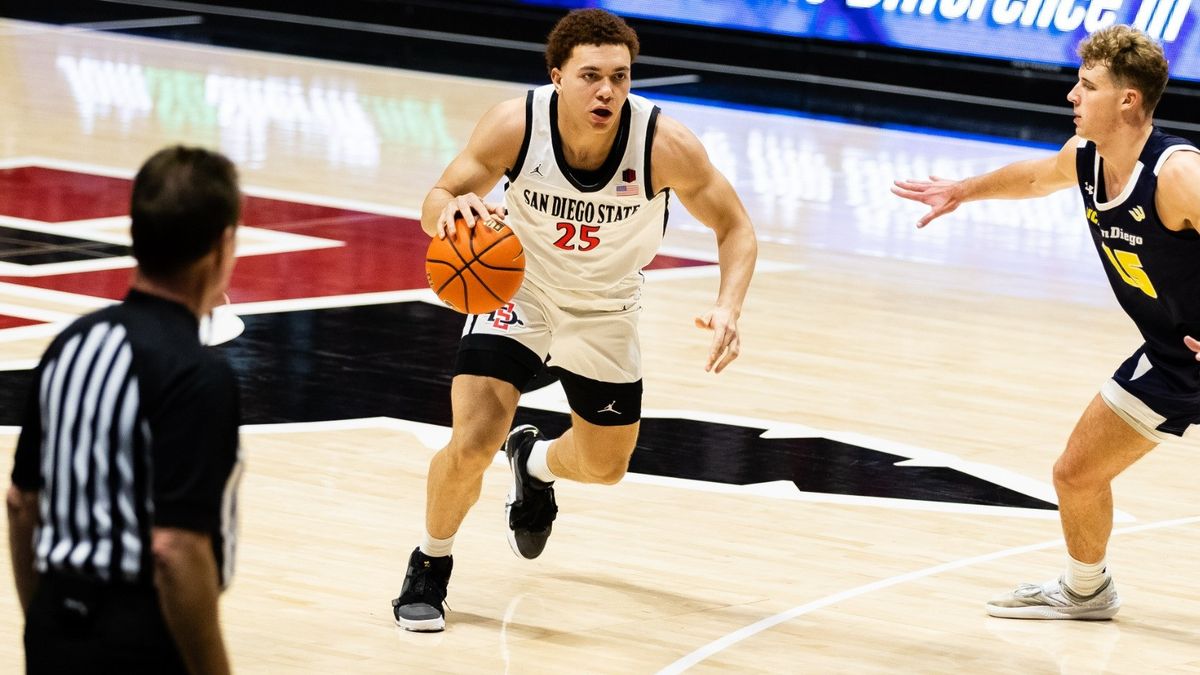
[1053, 600]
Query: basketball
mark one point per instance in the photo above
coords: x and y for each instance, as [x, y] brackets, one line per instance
[479, 269]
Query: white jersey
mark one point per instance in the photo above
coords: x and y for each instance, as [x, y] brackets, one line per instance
[586, 244]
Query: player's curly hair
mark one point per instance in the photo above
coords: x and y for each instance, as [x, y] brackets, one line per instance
[1133, 59]
[588, 27]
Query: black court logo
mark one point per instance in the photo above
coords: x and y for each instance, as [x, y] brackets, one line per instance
[405, 374]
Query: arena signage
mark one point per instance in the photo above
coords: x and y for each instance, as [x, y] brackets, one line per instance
[1034, 31]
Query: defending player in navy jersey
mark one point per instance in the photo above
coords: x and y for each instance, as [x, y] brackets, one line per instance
[590, 169]
[1141, 193]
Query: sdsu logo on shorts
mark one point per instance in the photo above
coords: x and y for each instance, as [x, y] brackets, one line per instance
[505, 317]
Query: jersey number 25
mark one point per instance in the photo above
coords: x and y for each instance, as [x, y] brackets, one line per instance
[585, 241]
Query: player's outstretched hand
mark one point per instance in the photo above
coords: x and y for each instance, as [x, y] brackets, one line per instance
[726, 342]
[472, 208]
[936, 193]
[1192, 344]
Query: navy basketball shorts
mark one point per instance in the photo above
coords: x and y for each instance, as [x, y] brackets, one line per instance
[1154, 397]
[595, 354]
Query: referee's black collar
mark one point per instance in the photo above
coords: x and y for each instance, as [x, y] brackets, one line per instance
[137, 297]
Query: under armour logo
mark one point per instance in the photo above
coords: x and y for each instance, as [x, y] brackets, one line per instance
[537, 171]
[1138, 213]
[1090, 190]
[610, 408]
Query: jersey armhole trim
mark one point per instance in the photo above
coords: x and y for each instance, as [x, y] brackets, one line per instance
[1170, 151]
[651, 125]
[517, 165]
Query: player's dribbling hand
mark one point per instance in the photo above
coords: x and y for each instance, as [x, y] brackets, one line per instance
[936, 193]
[726, 343]
[472, 208]
[1192, 344]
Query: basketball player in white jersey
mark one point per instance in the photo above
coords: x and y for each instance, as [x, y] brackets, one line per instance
[590, 170]
[1142, 208]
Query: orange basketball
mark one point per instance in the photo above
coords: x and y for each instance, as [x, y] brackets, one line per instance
[479, 269]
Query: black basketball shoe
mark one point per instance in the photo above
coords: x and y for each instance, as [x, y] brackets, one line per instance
[419, 607]
[530, 506]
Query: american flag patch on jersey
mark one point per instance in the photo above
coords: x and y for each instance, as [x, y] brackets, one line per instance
[627, 190]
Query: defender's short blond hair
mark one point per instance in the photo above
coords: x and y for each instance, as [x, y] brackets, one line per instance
[1133, 59]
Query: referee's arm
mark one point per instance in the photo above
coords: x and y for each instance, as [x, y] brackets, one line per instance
[195, 432]
[22, 519]
[22, 500]
[185, 573]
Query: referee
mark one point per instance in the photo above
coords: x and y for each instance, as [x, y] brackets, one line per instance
[121, 510]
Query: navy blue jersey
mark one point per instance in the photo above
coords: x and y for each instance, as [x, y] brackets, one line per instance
[1154, 272]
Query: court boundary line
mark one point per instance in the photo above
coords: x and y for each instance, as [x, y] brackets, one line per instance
[86, 302]
[375, 208]
[372, 208]
[255, 241]
[326, 22]
[135, 24]
[89, 303]
[12, 27]
[38, 330]
[32, 28]
[249, 190]
[35, 313]
[521, 45]
[23, 28]
[730, 639]
[36, 28]
[17, 364]
[665, 81]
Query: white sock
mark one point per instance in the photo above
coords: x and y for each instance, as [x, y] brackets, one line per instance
[1085, 579]
[538, 465]
[436, 548]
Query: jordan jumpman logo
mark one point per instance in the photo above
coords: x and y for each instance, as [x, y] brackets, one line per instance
[610, 408]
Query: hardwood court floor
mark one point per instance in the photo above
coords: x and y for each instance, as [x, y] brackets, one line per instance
[971, 345]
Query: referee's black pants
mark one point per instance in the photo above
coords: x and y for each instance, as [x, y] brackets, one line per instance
[76, 626]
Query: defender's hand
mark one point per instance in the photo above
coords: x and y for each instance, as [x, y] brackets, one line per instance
[936, 193]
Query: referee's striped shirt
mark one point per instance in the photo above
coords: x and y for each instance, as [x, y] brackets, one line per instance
[130, 424]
